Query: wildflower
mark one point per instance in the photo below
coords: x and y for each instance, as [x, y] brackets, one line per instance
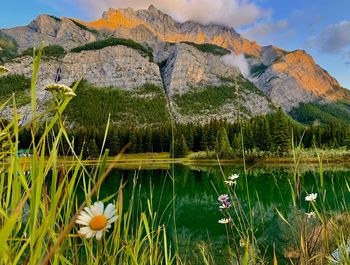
[233, 177]
[230, 182]
[225, 205]
[242, 242]
[223, 198]
[58, 88]
[311, 197]
[311, 215]
[224, 220]
[3, 70]
[96, 219]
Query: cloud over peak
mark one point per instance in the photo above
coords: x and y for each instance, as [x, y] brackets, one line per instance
[232, 13]
[333, 39]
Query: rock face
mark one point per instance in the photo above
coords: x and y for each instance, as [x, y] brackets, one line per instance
[284, 78]
[152, 24]
[290, 78]
[116, 66]
[50, 30]
[189, 71]
[187, 67]
[295, 78]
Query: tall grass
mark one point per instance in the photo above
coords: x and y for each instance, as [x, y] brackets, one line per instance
[38, 211]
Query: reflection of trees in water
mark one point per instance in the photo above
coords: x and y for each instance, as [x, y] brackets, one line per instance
[197, 212]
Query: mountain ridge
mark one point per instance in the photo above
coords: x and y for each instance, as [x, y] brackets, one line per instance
[287, 78]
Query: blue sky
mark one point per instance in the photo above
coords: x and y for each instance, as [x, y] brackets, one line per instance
[321, 27]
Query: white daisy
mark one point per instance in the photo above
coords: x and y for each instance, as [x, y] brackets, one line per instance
[96, 219]
[311, 197]
[233, 177]
[230, 182]
[224, 220]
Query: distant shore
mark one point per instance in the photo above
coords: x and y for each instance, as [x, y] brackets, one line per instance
[164, 160]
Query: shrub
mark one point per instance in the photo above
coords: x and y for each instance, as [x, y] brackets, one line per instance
[97, 45]
[48, 51]
[93, 31]
[209, 48]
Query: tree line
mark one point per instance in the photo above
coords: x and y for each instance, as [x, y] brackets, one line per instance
[272, 133]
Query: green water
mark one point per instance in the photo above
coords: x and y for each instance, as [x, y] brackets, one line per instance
[197, 208]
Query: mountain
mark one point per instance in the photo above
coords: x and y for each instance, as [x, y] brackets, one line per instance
[127, 50]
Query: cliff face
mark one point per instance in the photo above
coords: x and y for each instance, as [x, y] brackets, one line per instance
[116, 66]
[290, 78]
[193, 77]
[185, 72]
[294, 78]
[152, 24]
[50, 30]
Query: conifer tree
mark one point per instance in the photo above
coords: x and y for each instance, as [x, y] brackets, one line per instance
[180, 146]
[280, 131]
[222, 146]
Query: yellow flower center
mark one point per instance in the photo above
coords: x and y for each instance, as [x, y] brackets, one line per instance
[98, 222]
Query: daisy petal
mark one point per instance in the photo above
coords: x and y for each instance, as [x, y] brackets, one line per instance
[81, 222]
[84, 230]
[99, 235]
[90, 234]
[113, 219]
[109, 211]
[88, 211]
[97, 208]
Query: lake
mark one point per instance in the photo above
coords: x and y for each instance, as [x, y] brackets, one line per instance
[259, 193]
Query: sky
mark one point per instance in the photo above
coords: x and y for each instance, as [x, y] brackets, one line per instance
[321, 27]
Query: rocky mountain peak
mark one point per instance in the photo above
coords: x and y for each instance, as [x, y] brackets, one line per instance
[286, 78]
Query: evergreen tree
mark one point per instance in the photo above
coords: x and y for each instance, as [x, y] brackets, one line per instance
[222, 146]
[180, 146]
[280, 132]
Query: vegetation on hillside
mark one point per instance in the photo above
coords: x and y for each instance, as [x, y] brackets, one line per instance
[309, 113]
[15, 83]
[100, 44]
[51, 51]
[258, 69]
[210, 99]
[93, 31]
[144, 105]
[8, 47]
[55, 18]
[209, 48]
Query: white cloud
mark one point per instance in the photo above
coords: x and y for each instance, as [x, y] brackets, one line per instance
[267, 32]
[233, 13]
[237, 61]
[333, 39]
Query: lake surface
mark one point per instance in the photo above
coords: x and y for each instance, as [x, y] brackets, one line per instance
[197, 212]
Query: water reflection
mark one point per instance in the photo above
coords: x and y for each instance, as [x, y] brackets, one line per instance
[196, 205]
